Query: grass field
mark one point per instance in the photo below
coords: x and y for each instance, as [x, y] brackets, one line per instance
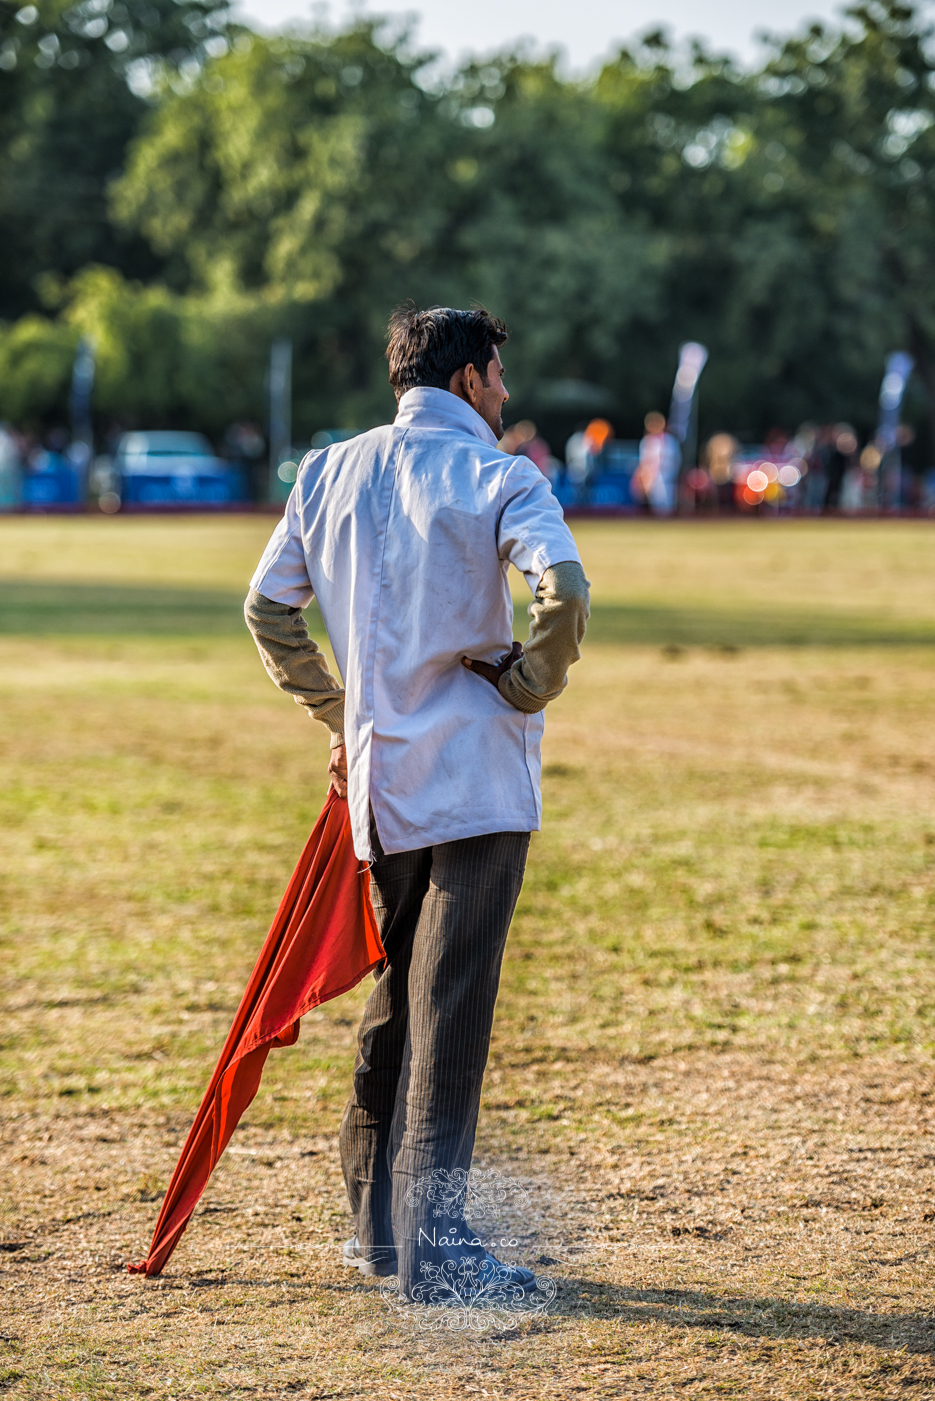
[712, 1056]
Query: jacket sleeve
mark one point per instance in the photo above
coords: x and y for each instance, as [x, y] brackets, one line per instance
[295, 662]
[559, 615]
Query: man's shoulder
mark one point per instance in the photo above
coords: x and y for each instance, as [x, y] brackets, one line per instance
[368, 444]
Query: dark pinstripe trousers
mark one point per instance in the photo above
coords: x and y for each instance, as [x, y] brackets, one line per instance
[444, 912]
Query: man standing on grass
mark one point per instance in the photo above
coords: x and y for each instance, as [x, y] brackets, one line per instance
[404, 535]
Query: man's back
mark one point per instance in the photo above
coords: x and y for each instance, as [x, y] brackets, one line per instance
[405, 535]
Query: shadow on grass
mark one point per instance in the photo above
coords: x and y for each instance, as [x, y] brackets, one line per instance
[582, 1299]
[39, 608]
[731, 629]
[744, 1316]
[36, 609]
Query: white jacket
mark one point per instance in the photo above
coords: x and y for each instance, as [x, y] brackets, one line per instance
[404, 535]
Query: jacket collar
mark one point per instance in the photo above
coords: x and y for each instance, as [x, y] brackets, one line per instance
[437, 408]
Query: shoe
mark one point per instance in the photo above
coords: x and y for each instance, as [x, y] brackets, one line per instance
[516, 1275]
[479, 1280]
[385, 1265]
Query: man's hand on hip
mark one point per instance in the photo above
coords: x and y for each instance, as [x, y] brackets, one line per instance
[493, 671]
[337, 771]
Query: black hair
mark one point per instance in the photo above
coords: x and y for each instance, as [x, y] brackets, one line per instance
[427, 347]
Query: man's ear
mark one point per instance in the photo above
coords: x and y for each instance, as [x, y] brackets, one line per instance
[470, 384]
[463, 383]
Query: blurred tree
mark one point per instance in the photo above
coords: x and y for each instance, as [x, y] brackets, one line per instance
[798, 204]
[304, 184]
[75, 82]
[169, 360]
[36, 358]
[695, 147]
[541, 236]
[317, 176]
[301, 175]
[162, 359]
[852, 116]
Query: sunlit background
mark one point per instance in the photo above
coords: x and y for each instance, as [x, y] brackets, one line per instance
[710, 231]
[586, 33]
[713, 1042]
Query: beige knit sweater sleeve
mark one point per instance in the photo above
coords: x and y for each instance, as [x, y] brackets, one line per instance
[295, 662]
[559, 614]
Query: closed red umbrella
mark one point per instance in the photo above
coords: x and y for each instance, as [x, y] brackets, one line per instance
[323, 940]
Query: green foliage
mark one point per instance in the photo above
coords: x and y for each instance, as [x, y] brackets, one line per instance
[541, 236]
[36, 357]
[319, 179]
[239, 187]
[161, 358]
[860, 108]
[167, 358]
[74, 81]
[788, 197]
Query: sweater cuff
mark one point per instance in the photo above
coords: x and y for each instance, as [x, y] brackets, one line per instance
[513, 690]
[331, 717]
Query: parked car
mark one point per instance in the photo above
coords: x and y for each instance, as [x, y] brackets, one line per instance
[174, 469]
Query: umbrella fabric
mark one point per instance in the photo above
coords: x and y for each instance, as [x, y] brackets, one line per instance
[323, 940]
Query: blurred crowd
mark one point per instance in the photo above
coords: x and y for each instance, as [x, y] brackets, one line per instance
[820, 469]
[51, 471]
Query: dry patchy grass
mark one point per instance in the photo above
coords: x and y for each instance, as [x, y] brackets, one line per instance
[712, 1055]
